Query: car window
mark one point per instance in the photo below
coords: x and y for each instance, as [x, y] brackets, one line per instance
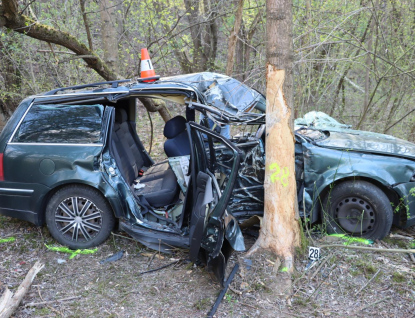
[80, 124]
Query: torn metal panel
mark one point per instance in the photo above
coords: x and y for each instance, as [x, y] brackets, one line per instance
[132, 206]
[180, 167]
[248, 194]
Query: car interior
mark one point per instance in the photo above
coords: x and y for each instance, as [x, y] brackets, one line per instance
[155, 184]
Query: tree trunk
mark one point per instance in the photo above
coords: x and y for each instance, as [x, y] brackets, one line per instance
[280, 231]
[109, 34]
[234, 37]
[279, 47]
[87, 28]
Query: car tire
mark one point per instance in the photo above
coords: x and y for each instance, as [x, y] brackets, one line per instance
[357, 208]
[79, 217]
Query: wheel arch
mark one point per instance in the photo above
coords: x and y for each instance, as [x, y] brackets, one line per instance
[392, 195]
[112, 200]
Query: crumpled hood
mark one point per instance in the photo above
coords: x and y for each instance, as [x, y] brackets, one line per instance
[336, 135]
[356, 140]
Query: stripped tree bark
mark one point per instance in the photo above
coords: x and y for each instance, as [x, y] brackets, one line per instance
[280, 231]
[11, 18]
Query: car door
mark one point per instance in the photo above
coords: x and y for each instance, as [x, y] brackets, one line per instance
[213, 231]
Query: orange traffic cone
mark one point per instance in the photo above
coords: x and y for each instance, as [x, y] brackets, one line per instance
[146, 67]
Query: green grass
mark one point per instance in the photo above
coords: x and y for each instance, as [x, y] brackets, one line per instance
[202, 304]
[398, 277]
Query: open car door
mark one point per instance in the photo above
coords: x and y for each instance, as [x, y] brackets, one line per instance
[214, 233]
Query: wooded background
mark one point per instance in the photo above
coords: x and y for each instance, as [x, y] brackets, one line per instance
[353, 60]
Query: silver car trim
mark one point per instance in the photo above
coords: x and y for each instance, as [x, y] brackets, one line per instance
[17, 190]
[20, 121]
[53, 144]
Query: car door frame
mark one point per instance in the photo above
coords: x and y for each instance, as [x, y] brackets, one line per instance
[212, 237]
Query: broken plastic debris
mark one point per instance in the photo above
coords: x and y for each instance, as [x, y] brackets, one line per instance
[310, 264]
[139, 186]
[68, 250]
[9, 239]
[352, 239]
[60, 261]
[115, 257]
[248, 263]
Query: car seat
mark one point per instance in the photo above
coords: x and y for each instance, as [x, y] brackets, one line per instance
[177, 143]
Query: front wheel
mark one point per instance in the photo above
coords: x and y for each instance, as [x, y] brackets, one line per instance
[357, 208]
[79, 217]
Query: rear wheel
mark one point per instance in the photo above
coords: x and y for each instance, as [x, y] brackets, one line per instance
[79, 217]
[358, 208]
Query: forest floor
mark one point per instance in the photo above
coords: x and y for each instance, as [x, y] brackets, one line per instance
[344, 282]
[331, 288]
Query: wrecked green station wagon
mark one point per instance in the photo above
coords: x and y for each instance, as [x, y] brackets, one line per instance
[72, 158]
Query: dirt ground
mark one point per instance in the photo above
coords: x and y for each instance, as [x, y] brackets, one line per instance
[331, 288]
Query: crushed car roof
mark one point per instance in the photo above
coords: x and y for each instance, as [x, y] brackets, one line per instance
[221, 91]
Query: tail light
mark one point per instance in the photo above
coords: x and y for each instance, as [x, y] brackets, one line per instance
[1, 168]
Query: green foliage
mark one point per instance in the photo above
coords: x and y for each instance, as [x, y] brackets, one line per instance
[353, 62]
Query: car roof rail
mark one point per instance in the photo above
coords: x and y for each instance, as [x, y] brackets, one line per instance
[148, 79]
[114, 84]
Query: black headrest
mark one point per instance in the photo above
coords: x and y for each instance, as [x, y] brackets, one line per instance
[120, 115]
[174, 127]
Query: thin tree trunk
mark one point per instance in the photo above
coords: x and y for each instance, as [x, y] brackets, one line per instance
[368, 65]
[109, 34]
[87, 29]
[234, 37]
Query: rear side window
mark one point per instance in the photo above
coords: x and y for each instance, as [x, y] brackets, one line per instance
[76, 124]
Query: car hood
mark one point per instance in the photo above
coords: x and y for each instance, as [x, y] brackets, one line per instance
[325, 131]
